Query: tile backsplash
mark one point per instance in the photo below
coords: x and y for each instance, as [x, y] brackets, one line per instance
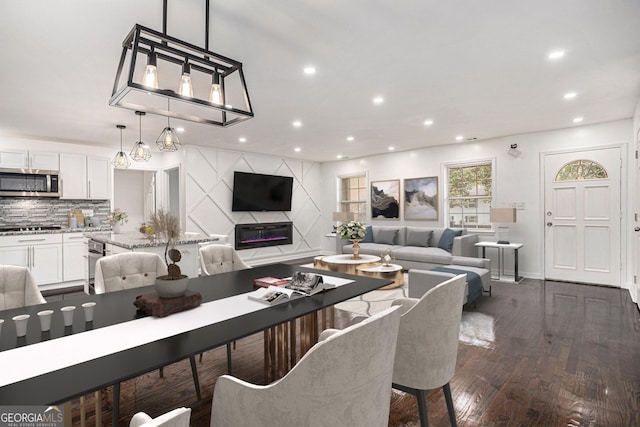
[18, 212]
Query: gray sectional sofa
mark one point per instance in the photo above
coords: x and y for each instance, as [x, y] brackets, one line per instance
[415, 247]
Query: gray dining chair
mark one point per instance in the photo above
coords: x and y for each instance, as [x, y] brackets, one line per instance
[18, 288]
[343, 380]
[427, 347]
[179, 417]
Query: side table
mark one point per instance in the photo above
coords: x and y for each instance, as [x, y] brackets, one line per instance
[343, 263]
[501, 247]
[384, 271]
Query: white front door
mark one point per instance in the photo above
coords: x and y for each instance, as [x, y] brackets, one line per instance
[582, 216]
[635, 285]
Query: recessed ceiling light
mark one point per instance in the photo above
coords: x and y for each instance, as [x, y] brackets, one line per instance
[297, 149]
[180, 129]
[577, 120]
[309, 70]
[570, 95]
[428, 122]
[556, 54]
[350, 138]
[378, 100]
[297, 124]
[391, 148]
[339, 156]
[459, 138]
[242, 139]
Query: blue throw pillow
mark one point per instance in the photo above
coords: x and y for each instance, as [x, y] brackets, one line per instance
[446, 240]
[368, 235]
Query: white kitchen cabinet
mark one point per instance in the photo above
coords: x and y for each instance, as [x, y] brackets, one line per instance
[15, 255]
[46, 263]
[40, 253]
[99, 178]
[22, 159]
[74, 256]
[73, 176]
[85, 177]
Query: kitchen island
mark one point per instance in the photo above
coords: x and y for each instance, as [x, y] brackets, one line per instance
[188, 244]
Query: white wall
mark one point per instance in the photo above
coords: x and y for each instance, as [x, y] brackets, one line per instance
[517, 179]
[128, 188]
[208, 183]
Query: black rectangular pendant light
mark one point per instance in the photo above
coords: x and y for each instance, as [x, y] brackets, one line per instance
[150, 70]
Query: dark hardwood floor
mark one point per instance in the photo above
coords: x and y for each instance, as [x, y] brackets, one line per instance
[533, 354]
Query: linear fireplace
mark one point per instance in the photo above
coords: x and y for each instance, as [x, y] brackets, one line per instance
[265, 234]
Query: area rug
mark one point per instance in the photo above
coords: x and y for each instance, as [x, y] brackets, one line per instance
[476, 328]
[374, 301]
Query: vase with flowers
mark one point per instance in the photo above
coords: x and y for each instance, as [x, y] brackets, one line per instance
[354, 231]
[117, 218]
[166, 227]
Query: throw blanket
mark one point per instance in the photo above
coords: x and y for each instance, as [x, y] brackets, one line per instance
[473, 279]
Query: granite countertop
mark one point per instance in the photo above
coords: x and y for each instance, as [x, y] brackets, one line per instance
[135, 240]
[59, 230]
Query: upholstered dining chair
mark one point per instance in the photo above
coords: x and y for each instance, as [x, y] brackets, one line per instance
[130, 270]
[427, 346]
[179, 417]
[18, 288]
[216, 259]
[344, 380]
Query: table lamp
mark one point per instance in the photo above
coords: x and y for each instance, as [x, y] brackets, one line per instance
[502, 216]
[342, 217]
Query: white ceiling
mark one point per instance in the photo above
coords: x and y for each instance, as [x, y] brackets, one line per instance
[476, 68]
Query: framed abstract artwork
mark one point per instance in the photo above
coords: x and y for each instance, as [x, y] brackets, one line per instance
[385, 199]
[421, 198]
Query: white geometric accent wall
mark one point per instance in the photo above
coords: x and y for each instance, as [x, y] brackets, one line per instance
[208, 194]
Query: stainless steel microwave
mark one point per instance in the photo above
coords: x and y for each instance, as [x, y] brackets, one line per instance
[29, 183]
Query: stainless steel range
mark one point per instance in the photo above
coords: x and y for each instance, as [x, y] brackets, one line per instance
[96, 250]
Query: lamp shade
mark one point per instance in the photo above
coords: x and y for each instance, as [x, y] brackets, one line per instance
[503, 215]
[343, 216]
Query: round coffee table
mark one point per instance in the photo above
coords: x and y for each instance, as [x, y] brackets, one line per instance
[344, 263]
[384, 271]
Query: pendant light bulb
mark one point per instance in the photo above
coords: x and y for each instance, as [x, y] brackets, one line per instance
[120, 161]
[150, 78]
[168, 139]
[185, 88]
[140, 151]
[215, 96]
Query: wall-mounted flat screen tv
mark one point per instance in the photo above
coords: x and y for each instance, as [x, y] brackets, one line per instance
[257, 192]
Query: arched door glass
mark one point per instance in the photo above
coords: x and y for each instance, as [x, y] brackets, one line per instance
[579, 170]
